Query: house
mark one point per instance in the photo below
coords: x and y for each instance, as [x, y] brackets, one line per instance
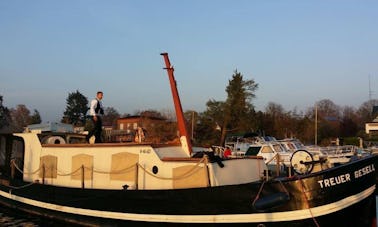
[372, 127]
[127, 128]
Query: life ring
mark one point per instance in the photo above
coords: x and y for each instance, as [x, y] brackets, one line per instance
[55, 140]
[302, 162]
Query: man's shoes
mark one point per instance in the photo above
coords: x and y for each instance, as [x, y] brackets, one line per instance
[87, 138]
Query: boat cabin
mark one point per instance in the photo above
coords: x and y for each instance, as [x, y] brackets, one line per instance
[61, 160]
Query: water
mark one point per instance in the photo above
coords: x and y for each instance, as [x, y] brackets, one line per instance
[12, 221]
[9, 218]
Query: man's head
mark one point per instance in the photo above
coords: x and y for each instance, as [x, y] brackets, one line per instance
[99, 95]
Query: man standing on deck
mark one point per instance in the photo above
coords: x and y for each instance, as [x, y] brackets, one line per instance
[96, 111]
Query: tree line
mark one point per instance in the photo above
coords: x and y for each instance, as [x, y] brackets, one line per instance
[15, 119]
[234, 116]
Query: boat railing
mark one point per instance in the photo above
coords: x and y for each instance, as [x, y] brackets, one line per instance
[278, 162]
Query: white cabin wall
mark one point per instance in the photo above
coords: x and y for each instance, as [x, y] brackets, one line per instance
[165, 171]
[237, 171]
[32, 150]
[102, 158]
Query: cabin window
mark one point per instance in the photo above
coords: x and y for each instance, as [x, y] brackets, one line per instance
[253, 151]
[121, 126]
[18, 155]
[17, 149]
[278, 148]
[298, 145]
[266, 149]
[4, 169]
[11, 148]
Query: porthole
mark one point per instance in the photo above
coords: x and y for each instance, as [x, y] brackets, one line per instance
[155, 169]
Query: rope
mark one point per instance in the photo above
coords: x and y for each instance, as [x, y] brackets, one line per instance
[258, 193]
[23, 186]
[307, 203]
[284, 188]
[59, 173]
[184, 175]
[13, 162]
[67, 174]
[114, 171]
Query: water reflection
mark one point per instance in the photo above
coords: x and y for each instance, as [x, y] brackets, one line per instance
[7, 220]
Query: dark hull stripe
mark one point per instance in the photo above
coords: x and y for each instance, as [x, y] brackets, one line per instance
[234, 218]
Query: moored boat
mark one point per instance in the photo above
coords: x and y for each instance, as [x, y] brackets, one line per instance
[111, 184]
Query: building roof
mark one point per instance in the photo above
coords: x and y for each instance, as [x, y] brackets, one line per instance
[50, 127]
[139, 116]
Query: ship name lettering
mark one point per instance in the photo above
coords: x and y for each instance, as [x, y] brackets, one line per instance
[363, 171]
[332, 181]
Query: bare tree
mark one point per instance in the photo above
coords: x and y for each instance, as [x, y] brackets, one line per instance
[110, 116]
[20, 117]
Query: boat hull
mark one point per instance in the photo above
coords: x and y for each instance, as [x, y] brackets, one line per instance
[346, 217]
[344, 194]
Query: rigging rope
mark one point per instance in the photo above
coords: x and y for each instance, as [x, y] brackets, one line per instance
[13, 162]
[307, 203]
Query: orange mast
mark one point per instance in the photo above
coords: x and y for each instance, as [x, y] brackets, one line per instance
[184, 137]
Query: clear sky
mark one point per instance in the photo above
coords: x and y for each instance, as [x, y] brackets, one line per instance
[299, 52]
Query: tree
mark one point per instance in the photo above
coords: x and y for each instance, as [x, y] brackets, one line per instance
[191, 118]
[20, 117]
[328, 110]
[238, 106]
[157, 127]
[365, 112]
[35, 118]
[206, 131]
[76, 109]
[150, 113]
[5, 117]
[236, 114]
[211, 122]
[348, 123]
[110, 116]
[328, 120]
[305, 129]
[277, 120]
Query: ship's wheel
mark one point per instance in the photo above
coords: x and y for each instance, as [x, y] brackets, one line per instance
[302, 162]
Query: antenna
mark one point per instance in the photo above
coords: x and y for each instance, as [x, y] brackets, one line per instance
[370, 91]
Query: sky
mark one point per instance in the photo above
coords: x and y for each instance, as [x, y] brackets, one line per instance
[298, 52]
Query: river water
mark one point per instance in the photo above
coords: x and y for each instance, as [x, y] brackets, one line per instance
[11, 219]
[14, 220]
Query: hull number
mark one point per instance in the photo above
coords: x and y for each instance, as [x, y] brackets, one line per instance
[144, 151]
